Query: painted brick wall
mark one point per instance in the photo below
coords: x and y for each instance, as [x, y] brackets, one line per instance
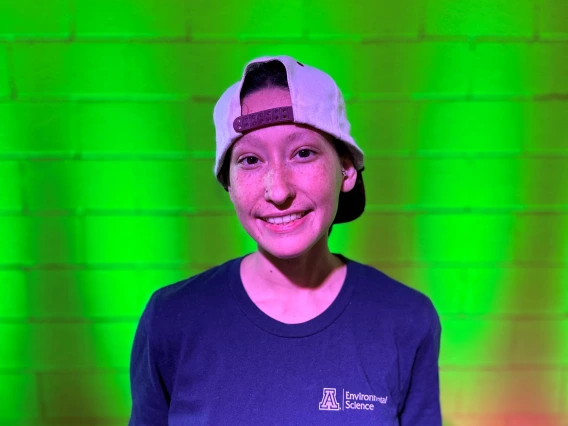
[106, 189]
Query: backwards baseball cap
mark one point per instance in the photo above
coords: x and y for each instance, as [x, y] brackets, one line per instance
[316, 102]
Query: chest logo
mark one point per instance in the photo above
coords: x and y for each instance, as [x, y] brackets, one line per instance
[329, 400]
[349, 400]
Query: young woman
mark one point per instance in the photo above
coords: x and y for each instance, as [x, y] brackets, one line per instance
[291, 334]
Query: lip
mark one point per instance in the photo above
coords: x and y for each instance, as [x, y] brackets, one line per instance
[272, 216]
[291, 226]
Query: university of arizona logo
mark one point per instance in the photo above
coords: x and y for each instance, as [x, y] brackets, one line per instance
[329, 400]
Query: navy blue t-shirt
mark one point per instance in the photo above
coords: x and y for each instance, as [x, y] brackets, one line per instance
[205, 354]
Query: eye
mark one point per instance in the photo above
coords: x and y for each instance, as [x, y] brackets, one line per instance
[305, 153]
[249, 160]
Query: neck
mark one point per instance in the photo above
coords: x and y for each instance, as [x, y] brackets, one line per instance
[311, 270]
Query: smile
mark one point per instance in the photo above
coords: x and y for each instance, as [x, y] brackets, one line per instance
[284, 220]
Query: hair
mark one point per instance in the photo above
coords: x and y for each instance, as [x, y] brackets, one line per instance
[264, 75]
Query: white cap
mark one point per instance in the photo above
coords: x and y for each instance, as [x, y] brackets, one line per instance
[316, 101]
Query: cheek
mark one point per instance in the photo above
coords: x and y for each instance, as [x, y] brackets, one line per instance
[242, 192]
[327, 180]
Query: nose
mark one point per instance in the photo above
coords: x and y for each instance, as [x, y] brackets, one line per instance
[278, 184]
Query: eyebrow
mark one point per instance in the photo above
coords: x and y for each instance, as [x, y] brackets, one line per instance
[290, 138]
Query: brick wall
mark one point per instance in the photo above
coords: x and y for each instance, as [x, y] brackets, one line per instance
[107, 191]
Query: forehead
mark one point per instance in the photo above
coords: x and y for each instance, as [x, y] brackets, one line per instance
[271, 97]
[283, 134]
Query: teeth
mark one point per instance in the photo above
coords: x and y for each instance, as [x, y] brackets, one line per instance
[282, 220]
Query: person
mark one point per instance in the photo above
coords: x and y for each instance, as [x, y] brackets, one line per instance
[290, 334]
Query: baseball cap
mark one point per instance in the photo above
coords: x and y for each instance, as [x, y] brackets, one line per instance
[316, 101]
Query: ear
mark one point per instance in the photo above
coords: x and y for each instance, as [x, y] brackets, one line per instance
[349, 175]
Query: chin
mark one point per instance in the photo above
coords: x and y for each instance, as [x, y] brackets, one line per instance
[281, 252]
[282, 249]
[282, 255]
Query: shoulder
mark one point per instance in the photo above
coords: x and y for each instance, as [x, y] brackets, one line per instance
[395, 301]
[192, 295]
[387, 290]
[197, 283]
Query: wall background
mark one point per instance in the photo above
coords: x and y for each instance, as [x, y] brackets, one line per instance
[107, 191]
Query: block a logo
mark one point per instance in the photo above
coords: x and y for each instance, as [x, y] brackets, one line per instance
[329, 400]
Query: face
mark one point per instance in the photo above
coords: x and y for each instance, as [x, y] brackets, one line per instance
[285, 181]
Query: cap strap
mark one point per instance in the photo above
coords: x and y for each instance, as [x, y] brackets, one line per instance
[263, 118]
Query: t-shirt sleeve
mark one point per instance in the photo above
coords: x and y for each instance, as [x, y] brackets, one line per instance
[150, 399]
[422, 402]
